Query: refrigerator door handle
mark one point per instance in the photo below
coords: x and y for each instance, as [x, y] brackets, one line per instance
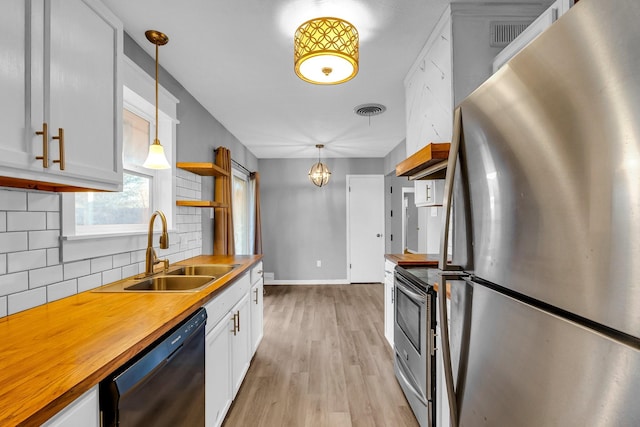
[446, 349]
[448, 191]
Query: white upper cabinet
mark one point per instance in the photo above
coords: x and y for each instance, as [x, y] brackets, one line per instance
[537, 27]
[61, 70]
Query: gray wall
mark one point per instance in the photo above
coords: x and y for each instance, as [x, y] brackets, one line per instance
[198, 133]
[302, 223]
[393, 199]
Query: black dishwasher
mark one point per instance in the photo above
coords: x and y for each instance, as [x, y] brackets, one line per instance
[164, 386]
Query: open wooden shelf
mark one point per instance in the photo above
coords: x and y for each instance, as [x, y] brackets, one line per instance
[201, 204]
[429, 162]
[203, 169]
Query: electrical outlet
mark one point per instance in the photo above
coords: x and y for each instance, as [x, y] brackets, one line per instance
[318, 263]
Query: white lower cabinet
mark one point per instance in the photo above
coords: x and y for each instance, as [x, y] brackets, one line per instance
[82, 412]
[257, 307]
[217, 374]
[240, 343]
[389, 300]
[228, 353]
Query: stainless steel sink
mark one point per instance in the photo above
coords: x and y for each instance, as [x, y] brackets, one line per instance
[189, 278]
[171, 283]
[214, 270]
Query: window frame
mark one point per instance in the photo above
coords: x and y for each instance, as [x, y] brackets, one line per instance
[138, 92]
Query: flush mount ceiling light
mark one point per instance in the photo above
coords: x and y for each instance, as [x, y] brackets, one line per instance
[326, 51]
[319, 173]
[156, 158]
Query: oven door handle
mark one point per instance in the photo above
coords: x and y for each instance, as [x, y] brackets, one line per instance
[410, 293]
[409, 383]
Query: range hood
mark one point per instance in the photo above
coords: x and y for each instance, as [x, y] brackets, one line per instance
[430, 162]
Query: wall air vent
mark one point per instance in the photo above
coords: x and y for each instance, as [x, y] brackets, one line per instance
[368, 110]
[503, 33]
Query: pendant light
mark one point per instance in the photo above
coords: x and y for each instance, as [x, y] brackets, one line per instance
[319, 173]
[326, 51]
[156, 158]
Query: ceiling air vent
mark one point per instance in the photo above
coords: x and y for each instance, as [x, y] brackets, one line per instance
[368, 110]
[503, 33]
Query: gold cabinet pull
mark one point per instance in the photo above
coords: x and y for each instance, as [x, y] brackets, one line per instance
[256, 292]
[45, 145]
[235, 327]
[238, 320]
[60, 138]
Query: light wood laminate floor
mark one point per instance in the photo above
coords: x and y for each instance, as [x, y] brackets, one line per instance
[323, 361]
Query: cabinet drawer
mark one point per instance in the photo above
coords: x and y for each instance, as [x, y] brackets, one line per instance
[221, 304]
[256, 272]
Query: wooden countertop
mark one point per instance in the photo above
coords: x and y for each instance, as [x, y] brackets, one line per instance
[53, 353]
[413, 259]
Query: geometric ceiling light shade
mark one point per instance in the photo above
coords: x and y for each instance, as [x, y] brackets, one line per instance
[326, 51]
[319, 173]
[156, 158]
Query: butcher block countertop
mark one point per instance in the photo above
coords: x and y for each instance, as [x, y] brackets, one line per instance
[426, 260]
[53, 353]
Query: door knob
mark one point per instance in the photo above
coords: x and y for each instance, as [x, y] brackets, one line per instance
[378, 235]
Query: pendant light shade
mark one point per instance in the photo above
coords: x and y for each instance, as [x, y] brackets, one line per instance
[319, 173]
[326, 51]
[156, 158]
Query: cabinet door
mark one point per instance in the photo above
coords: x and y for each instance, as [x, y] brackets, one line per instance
[429, 192]
[82, 412]
[85, 90]
[14, 82]
[257, 312]
[389, 310]
[240, 342]
[217, 374]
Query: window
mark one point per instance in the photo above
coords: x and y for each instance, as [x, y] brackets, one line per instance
[131, 208]
[241, 222]
[126, 213]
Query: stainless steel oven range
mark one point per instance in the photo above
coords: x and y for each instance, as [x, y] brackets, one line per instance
[414, 341]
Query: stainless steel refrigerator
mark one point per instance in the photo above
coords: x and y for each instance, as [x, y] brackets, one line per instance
[543, 189]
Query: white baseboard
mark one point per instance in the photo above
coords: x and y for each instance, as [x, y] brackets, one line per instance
[307, 282]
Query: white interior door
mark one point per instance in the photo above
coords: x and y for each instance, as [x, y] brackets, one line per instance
[365, 228]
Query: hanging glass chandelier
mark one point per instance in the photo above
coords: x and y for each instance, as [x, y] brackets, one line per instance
[319, 173]
[326, 51]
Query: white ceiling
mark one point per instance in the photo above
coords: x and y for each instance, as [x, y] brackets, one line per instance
[236, 58]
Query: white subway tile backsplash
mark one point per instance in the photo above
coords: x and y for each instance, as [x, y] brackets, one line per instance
[27, 260]
[43, 202]
[101, 264]
[121, 259]
[129, 270]
[44, 239]
[89, 282]
[77, 269]
[12, 283]
[61, 290]
[26, 221]
[45, 276]
[13, 200]
[25, 300]
[30, 269]
[112, 275]
[53, 256]
[12, 242]
[53, 220]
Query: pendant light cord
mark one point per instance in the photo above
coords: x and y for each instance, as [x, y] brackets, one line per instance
[156, 140]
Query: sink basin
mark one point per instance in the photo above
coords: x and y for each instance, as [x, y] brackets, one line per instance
[182, 278]
[171, 283]
[213, 270]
